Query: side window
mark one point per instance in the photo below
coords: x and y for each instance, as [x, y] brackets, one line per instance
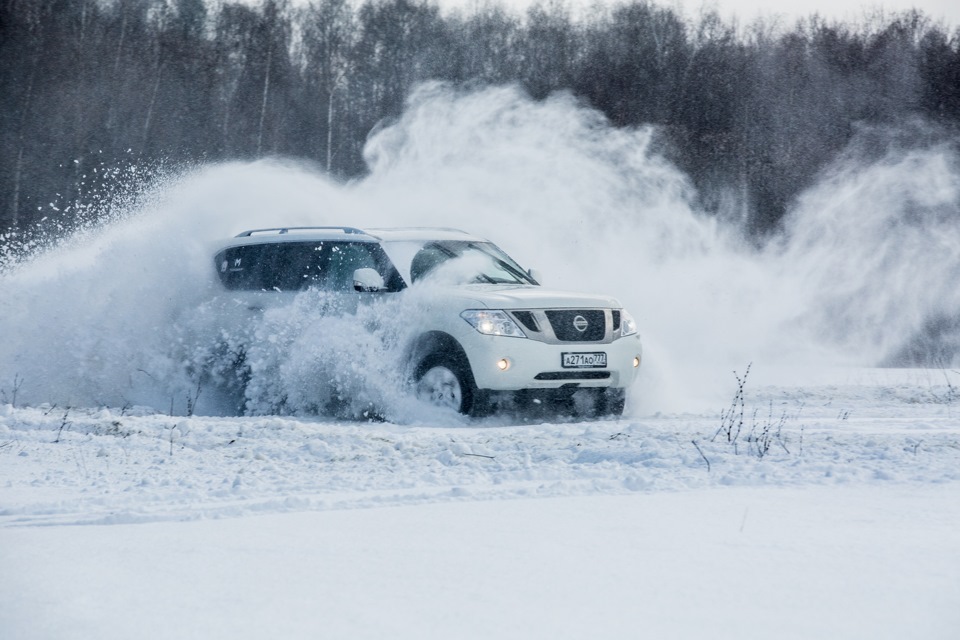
[294, 266]
[346, 257]
[239, 267]
[270, 267]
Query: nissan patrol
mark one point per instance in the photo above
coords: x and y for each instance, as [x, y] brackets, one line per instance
[491, 336]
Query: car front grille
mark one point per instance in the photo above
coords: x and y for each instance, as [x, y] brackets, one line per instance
[564, 326]
[578, 325]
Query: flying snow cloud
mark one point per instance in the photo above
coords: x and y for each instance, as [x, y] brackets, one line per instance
[872, 252]
[863, 273]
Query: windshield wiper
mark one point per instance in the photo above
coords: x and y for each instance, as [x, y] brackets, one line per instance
[521, 277]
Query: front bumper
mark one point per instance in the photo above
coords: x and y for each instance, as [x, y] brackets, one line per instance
[538, 365]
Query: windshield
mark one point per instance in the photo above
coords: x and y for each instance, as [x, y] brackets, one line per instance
[458, 261]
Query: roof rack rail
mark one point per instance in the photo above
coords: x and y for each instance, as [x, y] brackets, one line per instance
[282, 230]
[422, 228]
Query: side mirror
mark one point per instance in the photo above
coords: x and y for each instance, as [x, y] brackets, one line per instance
[535, 275]
[368, 280]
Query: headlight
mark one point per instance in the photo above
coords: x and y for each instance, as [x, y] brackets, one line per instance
[492, 323]
[628, 326]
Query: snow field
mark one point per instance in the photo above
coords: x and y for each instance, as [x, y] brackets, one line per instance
[863, 561]
[299, 528]
[107, 466]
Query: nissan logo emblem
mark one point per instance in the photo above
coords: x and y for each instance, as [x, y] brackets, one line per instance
[580, 324]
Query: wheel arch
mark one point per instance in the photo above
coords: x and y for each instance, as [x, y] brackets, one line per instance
[436, 347]
[436, 342]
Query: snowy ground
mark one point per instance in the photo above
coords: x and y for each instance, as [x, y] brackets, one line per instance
[132, 524]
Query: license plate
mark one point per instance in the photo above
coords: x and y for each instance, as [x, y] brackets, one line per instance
[595, 360]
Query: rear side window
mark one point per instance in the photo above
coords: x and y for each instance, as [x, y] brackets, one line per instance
[294, 266]
[271, 267]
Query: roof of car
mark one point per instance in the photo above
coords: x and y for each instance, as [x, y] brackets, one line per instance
[300, 234]
[421, 233]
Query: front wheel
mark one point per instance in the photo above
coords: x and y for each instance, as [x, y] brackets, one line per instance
[445, 383]
[598, 403]
[611, 402]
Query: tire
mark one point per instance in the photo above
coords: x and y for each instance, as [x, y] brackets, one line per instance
[598, 403]
[446, 383]
[611, 402]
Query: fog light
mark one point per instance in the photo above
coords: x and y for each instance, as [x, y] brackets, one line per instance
[636, 361]
[503, 364]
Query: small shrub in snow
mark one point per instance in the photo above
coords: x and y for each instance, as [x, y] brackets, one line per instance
[63, 423]
[731, 420]
[762, 435]
[17, 383]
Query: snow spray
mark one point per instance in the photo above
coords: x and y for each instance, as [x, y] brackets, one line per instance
[863, 272]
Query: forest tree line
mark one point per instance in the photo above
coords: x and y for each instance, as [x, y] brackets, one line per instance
[87, 86]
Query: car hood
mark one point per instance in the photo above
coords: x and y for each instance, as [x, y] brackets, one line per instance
[493, 296]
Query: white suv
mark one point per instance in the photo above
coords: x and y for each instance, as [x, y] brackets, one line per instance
[490, 337]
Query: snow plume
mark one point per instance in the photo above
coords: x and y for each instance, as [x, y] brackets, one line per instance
[864, 272]
[105, 316]
[312, 356]
[873, 250]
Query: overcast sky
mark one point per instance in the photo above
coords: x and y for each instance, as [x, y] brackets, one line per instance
[747, 10]
[841, 9]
